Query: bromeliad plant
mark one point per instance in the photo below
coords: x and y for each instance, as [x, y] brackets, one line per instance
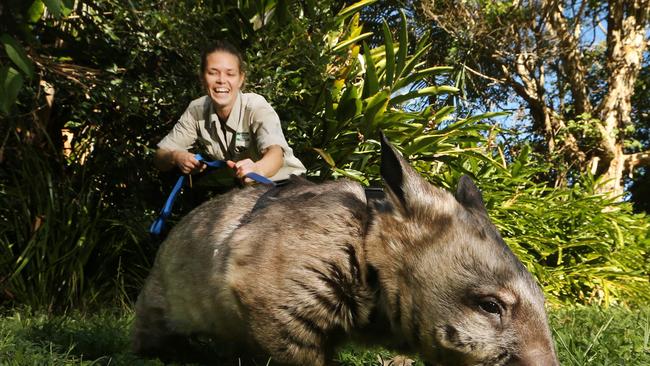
[375, 89]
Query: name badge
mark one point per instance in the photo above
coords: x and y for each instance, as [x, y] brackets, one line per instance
[242, 139]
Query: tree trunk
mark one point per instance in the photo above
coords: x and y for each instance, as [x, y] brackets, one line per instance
[626, 43]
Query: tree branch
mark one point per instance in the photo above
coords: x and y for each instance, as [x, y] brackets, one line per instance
[569, 51]
[632, 161]
[487, 77]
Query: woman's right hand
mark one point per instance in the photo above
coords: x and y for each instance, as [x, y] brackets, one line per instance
[186, 162]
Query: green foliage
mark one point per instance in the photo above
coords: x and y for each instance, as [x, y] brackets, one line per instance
[58, 7]
[62, 245]
[585, 128]
[17, 54]
[11, 80]
[374, 92]
[582, 247]
[118, 88]
[73, 228]
[597, 336]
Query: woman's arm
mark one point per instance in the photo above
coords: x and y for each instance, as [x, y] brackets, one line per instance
[270, 163]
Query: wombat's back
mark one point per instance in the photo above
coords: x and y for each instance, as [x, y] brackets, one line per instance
[280, 267]
[305, 252]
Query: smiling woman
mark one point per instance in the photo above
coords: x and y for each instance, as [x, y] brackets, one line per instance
[227, 124]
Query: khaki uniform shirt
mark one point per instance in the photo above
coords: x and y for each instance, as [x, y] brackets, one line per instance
[253, 126]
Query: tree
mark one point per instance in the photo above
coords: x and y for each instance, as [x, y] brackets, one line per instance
[573, 64]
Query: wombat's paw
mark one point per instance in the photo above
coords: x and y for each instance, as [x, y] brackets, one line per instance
[396, 361]
[166, 348]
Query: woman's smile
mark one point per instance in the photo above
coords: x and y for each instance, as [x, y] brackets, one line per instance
[223, 79]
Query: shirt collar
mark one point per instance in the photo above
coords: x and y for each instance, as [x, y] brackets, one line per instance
[233, 118]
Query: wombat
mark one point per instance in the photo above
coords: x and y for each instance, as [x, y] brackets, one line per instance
[294, 271]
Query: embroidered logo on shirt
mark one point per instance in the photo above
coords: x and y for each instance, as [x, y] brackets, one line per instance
[242, 141]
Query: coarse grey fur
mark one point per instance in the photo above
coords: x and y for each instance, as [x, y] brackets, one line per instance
[294, 271]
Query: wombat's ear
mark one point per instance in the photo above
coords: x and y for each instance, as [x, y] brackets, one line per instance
[468, 194]
[391, 169]
[405, 185]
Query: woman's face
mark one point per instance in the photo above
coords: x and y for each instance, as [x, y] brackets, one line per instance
[222, 77]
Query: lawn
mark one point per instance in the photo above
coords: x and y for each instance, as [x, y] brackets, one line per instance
[584, 336]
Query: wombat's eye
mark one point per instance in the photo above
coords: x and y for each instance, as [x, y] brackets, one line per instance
[491, 307]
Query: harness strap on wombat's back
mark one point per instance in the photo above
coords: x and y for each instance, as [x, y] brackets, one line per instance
[157, 226]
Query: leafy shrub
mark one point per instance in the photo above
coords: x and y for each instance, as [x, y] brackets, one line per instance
[62, 243]
[377, 89]
[583, 247]
[76, 234]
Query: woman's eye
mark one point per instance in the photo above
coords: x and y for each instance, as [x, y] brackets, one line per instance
[490, 307]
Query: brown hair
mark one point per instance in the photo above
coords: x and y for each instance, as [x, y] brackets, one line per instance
[225, 46]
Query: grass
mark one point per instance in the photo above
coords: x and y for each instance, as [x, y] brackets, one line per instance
[595, 336]
[584, 336]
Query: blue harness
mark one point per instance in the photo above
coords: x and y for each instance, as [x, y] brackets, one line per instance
[158, 225]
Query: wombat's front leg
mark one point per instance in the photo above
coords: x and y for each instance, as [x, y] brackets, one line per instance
[151, 333]
[151, 337]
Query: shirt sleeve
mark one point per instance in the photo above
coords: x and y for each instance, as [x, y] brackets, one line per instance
[183, 135]
[266, 126]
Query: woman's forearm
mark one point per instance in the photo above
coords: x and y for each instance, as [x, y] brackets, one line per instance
[271, 161]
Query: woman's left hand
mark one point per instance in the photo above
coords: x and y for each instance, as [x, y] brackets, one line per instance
[271, 161]
[242, 168]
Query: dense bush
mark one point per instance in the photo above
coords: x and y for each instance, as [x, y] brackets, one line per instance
[63, 243]
[582, 247]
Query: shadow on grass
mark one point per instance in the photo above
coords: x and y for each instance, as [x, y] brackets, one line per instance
[102, 338]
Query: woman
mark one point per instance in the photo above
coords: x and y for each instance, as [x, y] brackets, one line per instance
[241, 128]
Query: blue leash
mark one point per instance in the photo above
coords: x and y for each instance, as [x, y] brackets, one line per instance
[158, 225]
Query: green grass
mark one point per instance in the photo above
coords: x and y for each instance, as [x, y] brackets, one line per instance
[595, 336]
[584, 336]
